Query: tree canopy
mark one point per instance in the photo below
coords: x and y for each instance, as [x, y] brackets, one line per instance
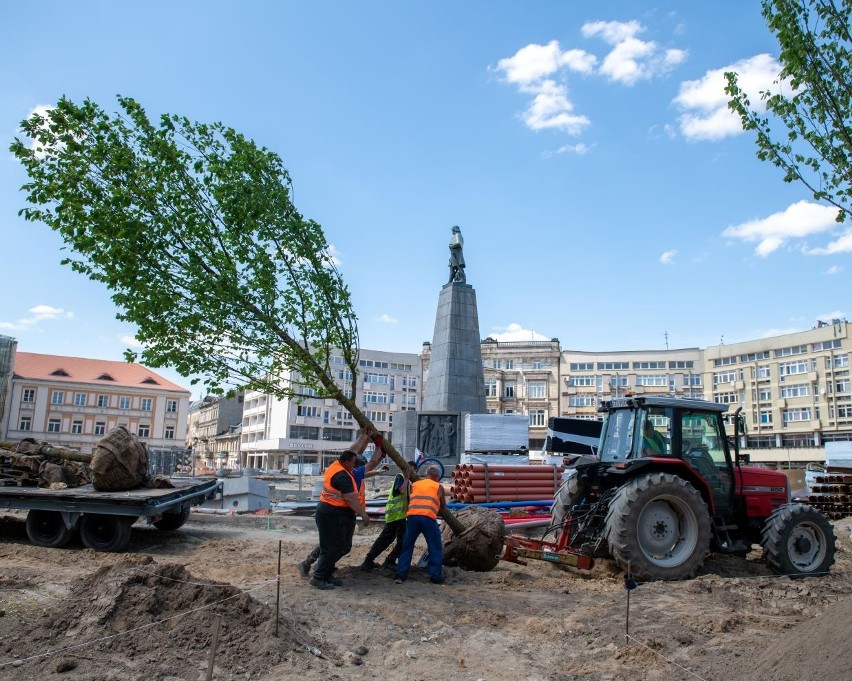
[193, 230]
[815, 51]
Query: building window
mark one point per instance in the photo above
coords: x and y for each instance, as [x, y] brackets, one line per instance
[763, 371]
[724, 361]
[538, 417]
[26, 423]
[58, 397]
[145, 404]
[582, 366]
[171, 406]
[842, 386]
[724, 377]
[793, 350]
[312, 412]
[581, 400]
[509, 390]
[337, 434]
[726, 398]
[100, 427]
[578, 381]
[377, 398]
[766, 418]
[681, 364]
[490, 387]
[649, 365]
[510, 364]
[537, 390]
[76, 427]
[28, 395]
[791, 415]
[790, 368]
[54, 425]
[169, 433]
[537, 366]
[409, 381]
[143, 431]
[381, 379]
[304, 432]
[841, 361]
[613, 366]
[376, 416]
[103, 401]
[79, 399]
[123, 402]
[652, 380]
[764, 395]
[800, 390]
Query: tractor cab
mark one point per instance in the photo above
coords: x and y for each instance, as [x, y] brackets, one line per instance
[665, 433]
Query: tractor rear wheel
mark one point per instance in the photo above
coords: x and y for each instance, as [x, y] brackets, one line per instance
[798, 541]
[569, 494]
[658, 527]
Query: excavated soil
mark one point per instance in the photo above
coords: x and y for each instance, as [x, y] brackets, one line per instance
[151, 613]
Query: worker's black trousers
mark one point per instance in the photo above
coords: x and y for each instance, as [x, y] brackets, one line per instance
[335, 540]
[394, 530]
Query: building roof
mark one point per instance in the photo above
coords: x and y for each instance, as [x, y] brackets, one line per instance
[58, 368]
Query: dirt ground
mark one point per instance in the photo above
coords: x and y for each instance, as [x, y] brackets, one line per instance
[150, 613]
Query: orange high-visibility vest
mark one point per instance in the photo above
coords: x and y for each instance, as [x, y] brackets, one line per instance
[424, 499]
[362, 491]
[329, 494]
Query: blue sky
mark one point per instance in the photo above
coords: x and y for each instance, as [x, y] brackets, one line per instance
[605, 196]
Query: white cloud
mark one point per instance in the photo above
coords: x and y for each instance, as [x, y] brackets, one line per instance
[540, 70]
[130, 342]
[795, 222]
[834, 269]
[515, 332]
[631, 59]
[842, 244]
[42, 110]
[705, 105]
[769, 333]
[580, 149]
[386, 319]
[334, 254]
[551, 108]
[834, 314]
[667, 257]
[38, 314]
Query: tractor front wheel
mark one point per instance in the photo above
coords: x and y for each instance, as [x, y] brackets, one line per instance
[798, 541]
[658, 527]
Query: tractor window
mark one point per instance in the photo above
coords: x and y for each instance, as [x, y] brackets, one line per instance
[655, 440]
[617, 435]
[702, 443]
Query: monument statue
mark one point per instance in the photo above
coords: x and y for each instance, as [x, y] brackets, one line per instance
[456, 257]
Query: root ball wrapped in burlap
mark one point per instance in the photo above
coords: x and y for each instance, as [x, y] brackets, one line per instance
[120, 462]
[479, 547]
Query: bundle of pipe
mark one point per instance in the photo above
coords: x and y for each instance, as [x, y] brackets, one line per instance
[476, 483]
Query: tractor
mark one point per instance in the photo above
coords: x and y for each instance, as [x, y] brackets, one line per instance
[663, 489]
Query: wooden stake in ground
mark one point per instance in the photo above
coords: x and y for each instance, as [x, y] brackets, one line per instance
[217, 625]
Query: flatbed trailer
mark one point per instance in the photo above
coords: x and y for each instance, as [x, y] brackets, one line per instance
[103, 519]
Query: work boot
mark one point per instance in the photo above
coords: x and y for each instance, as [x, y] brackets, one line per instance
[436, 580]
[321, 584]
[398, 580]
[304, 569]
[389, 564]
[368, 565]
[334, 581]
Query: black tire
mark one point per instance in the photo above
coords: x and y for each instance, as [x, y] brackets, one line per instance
[658, 527]
[105, 532]
[172, 521]
[47, 528]
[798, 541]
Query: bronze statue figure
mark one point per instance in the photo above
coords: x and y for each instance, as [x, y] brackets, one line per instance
[456, 257]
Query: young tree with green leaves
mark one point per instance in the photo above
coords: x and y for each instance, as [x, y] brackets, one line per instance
[192, 228]
[815, 52]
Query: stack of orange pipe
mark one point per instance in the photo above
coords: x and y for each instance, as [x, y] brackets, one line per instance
[477, 482]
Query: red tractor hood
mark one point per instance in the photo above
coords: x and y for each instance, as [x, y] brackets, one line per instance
[762, 489]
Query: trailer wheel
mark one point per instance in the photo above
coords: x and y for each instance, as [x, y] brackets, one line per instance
[47, 528]
[105, 532]
[798, 541]
[658, 527]
[172, 521]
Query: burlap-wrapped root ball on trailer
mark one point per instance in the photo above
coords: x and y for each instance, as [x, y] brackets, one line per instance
[119, 462]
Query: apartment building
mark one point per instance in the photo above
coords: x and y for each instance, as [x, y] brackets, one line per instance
[278, 432]
[795, 390]
[523, 377]
[213, 432]
[589, 377]
[72, 401]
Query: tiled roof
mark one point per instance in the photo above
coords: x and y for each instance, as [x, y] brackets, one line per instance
[96, 371]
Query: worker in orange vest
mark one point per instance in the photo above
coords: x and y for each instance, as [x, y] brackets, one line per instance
[339, 503]
[426, 502]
